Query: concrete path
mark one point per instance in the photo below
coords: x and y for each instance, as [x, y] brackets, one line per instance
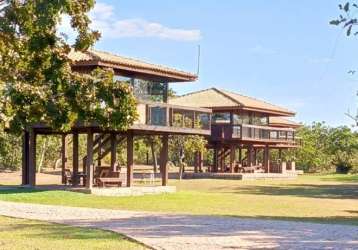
[168, 231]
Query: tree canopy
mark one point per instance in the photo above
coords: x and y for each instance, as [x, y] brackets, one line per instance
[37, 84]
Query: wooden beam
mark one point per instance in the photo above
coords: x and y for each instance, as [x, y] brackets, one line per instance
[216, 160]
[75, 159]
[89, 160]
[130, 152]
[164, 159]
[113, 151]
[240, 155]
[32, 158]
[63, 158]
[25, 158]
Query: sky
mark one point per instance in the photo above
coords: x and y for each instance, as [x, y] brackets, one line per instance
[284, 52]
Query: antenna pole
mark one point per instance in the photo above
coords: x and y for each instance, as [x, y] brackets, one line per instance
[198, 68]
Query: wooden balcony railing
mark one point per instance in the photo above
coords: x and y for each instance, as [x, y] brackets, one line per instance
[162, 114]
[254, 133]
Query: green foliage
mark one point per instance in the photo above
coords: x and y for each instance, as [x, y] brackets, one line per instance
[326, 148]
[10, 151]
[186, 144]
[37, 84]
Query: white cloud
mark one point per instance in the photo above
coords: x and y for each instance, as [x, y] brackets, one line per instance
[261, 50]
[104, 20]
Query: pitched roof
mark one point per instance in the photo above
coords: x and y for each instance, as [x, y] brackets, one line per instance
[283, 122]
[101, 58]
[217, 98]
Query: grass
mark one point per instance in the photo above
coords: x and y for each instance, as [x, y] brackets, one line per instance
[18, 234]
[324, 199]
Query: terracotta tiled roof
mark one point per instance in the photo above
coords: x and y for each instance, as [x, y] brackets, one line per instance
[215, 98]
[283, 122]
[100, 58]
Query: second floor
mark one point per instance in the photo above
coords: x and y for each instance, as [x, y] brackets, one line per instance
[150, 84]
[241, 118]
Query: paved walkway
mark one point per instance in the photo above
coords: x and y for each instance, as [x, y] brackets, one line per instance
[168, 231]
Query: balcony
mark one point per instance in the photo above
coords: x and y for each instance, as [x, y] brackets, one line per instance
[254, 133]
[172, 118]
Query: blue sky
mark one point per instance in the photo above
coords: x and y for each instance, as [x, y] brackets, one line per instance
[281, 51]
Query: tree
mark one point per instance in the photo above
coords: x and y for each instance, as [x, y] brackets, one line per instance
[37, 84]
[348, 21]
[313, 156]
[343, 146]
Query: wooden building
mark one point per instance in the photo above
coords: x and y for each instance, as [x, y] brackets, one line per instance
[150, 82]
[244, 131]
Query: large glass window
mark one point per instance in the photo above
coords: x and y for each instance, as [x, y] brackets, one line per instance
[221, 118]
[259, 120]
[148, 90]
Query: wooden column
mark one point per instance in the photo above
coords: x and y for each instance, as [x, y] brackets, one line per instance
[164, 160]
[255, 157]
[250, 156]
[267, 159]
[222, 160]
[240, 155]
[63, 158]
[216, 160]
[32, 158]
[75, 159]
[130, 149]
[89, 160]
[113, 151]
[232, 158]
[197, 162]
[25, 158]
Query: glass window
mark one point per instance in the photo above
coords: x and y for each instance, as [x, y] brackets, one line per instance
[123, 79]
[148, 90]
[237, 119]
[221, 118]
[259, 120]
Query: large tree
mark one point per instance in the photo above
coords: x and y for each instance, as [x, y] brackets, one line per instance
[348, 21]
[37, 84]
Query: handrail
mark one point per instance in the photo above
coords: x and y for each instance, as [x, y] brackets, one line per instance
[178, 107]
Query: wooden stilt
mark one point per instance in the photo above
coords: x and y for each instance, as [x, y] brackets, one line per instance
[32, 158]
[216, 160]
[113, 151]
[89, 160]
[267, 159]
[250, 156]
[75, 159]
[201, 161]
[130, 151]
[240, 155]
[196, 162]
[164, 160]
[63, 158]
[25, 158]
[232, 158]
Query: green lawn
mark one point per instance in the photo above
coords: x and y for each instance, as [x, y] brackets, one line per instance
[18, 234]
[328, 199]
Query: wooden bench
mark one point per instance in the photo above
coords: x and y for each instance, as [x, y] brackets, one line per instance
[109, 181]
